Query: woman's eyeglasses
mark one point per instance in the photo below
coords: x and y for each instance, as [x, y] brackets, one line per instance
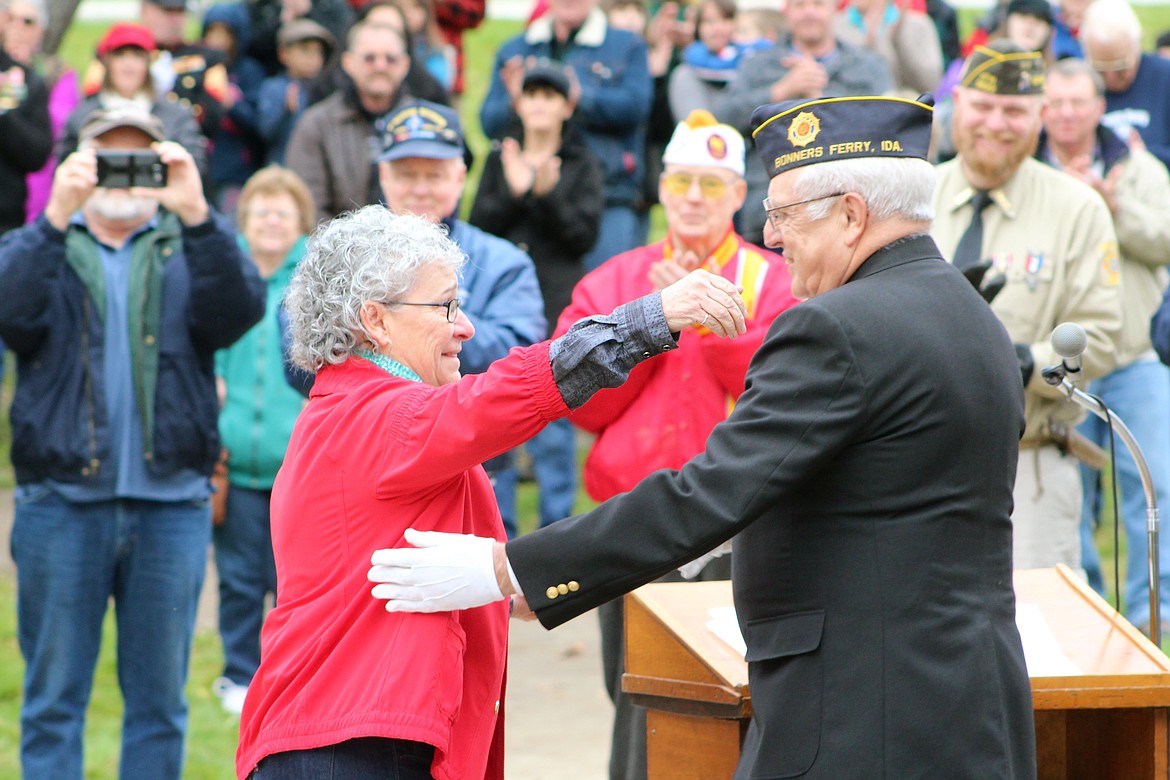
[452, 306]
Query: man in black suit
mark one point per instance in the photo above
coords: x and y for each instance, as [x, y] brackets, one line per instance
[866, 474]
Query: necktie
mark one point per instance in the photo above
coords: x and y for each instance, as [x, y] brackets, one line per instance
[970, 247]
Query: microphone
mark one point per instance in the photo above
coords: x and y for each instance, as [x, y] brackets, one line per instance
[1069, 341]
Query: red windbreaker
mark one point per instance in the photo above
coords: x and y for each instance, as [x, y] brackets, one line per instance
[371, 456]
[661, 416]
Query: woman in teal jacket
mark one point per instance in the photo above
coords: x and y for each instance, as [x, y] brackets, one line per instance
[259, 408]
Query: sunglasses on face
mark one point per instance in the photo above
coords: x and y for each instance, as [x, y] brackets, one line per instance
[679, 183]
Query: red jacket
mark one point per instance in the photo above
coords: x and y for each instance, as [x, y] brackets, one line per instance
[371, 456]
[661, 416]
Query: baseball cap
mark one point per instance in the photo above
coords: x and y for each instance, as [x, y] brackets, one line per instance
[125, 34]
[305, 30]
[422, 129]
[103, 121]
[546, 73]
[1041, 9]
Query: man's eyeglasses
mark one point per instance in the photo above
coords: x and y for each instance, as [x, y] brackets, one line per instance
[452, 306]
[679, 183]
[1111, 66]
[373, 57]
[777, 216]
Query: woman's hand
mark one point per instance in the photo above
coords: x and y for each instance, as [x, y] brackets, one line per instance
[702, 298]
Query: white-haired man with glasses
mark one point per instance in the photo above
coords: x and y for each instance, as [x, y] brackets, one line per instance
[664, 415]
[1137, 85]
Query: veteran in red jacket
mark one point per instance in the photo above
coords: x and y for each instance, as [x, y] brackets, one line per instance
[391, 440]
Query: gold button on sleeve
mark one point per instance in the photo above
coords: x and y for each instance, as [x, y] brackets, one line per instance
[562, 589]
[552, 592]
[574, 586]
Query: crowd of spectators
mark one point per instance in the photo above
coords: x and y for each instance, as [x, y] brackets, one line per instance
[258, 66]
[287, 109]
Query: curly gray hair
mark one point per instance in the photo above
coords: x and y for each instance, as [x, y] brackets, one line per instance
[371, 254]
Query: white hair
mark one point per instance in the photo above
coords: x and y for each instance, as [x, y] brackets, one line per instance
[1110, 21]
[371, 254]
[892, 187]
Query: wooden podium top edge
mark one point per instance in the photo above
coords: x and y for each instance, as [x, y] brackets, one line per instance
[1112, 654]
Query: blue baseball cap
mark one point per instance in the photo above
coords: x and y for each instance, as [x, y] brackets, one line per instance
[421, 129]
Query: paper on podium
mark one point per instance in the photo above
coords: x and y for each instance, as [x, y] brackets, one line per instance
[1042, 652]
[724, 625]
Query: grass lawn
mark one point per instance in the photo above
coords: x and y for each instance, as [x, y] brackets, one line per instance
[212, 734]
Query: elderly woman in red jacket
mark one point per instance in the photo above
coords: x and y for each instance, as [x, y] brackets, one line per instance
[391, 439]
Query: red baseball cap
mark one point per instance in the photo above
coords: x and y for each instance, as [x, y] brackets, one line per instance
[125, 34]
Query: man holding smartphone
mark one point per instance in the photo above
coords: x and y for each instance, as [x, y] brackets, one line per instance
[121, 296]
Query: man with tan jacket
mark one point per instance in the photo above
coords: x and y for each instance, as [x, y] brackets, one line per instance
[1043, 248]
[1136, 187]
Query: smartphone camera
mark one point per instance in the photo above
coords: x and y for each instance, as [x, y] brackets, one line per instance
[124, 168]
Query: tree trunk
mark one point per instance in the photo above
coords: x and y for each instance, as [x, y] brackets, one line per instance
[60, 15]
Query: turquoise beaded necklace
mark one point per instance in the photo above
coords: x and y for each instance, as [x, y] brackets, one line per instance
[389, 365]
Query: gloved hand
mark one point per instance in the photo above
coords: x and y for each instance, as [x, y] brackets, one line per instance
[691, 570]
[977, 276]
[441, 573]
[1027, 362]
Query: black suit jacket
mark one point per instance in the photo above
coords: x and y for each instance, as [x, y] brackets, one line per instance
[867, 470]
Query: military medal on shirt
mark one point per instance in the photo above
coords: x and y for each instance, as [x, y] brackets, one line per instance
[1030, 269]
[13, 88]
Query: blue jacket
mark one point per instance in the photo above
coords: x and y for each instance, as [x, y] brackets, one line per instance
[500, 294]
[1144, 106]
[1064, 43]
[616, 96]
[237, 150]
[192, 292]
[274, 121]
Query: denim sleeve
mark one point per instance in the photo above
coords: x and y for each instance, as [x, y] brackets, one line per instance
[600, 351]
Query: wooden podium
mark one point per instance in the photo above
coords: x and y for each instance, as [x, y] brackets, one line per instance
[1104, 717]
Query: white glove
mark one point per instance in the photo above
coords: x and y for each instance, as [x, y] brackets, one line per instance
[441, 573]
[691, 570]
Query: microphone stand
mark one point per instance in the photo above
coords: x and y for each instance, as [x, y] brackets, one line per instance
[1057, 376]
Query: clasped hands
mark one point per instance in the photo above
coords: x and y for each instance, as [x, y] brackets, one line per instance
[703, 298]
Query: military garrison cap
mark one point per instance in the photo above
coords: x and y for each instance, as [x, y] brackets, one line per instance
[803, 132]
[1003, 67]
